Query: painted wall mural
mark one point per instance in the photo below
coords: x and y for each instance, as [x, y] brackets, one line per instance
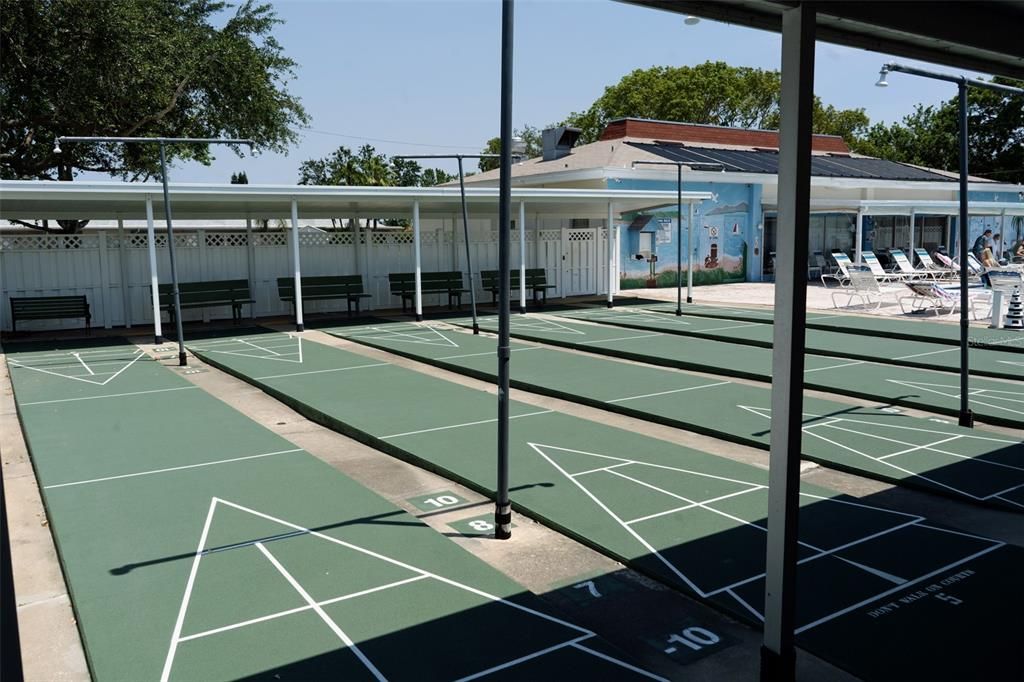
[721, 240]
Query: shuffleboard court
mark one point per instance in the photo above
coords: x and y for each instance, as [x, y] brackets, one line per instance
[868, 325]
[694, 520]
[934, 455]
[894, 351]
[993, 400]
[198, 545]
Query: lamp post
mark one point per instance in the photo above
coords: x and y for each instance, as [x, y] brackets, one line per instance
[679, 228]
[518, 150]
[163, 142]
[963, 83]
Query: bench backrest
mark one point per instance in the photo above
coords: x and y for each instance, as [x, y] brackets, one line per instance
[49, 307]
[902, 262]
[431, 282]
[871, 260]
[862, 279]
[202, 292]
[535, 277]
[843, 261]
[321, 285]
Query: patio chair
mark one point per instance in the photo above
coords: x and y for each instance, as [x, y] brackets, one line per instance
[871, 260]
[863, 285]
[931, 296]
[943, 269]
[841, 275]
[909, 271]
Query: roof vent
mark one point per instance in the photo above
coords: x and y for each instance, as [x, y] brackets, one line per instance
[558, 142]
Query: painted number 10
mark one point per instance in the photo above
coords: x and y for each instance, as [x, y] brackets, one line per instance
[694, 638]
[442, 501]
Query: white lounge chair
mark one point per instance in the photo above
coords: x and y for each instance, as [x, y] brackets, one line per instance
[932, 296]
[908, 270]
[871, 260]
[864, 286]
[944, 268]
[841, 276]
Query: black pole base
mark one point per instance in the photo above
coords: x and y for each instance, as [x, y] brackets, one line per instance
[502, 523]
[522, 310]
[300, 327]
[610, 304]
[158, 340]
[689, 299]
[967, 419]
[182, 360]
[419, 318]
[679, 312]
[778, 667]
[476, 328]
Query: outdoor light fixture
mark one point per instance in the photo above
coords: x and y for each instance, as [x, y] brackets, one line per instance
[518, 147]
[691, 20]
[966, 417]
[56, 147]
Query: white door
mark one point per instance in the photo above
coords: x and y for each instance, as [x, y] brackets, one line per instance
[579, 262]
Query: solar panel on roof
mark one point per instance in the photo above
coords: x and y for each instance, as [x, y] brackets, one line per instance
[767, 161]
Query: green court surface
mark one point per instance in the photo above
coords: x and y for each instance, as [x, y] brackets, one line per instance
[895, 351]
[198, 545]
[915, 330]
[693, 520]
[993, 401]
[941, 457]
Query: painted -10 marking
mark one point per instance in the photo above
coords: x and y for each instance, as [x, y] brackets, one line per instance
[695, 638]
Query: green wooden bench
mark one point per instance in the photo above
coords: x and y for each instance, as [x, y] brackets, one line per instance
[230, 292]
[449, 283]
[323, 288]
[49, 308]
[536, 281]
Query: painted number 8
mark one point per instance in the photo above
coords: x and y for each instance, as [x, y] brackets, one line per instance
[481, 525]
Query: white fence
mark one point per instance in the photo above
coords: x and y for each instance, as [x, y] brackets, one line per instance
[112, 268]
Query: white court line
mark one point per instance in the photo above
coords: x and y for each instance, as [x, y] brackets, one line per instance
[744, 604]
[321, 371]
[300, 609]
[927, 446]
[87, 368]
[745, 325]
[335, 628]
[258, 347]
[1009, 501]
[621, 338]
[845, 364]
[677, 390]
[880, 595]
[397, 336]
[616, 661]
[163, 471]
[176, 635]
[695, 504]
[607, 468]
[986, 392]
[931, 352]
[522, 659]
[490, 352]
[410, 567]
[1003, 492]
[459, 426]
[112, 395]
[87, 381]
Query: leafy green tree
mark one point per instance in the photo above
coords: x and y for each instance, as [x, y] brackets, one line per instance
[239, 178]
[174, 68]
[711, 93]
[929, 136]
[531, 136]
[367, 167]
[436, 176]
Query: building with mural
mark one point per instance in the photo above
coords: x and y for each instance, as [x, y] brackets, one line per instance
[858, 203]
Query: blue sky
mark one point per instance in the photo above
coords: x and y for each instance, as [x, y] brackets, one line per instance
[421, 76]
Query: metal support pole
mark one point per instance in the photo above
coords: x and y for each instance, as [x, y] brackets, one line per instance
[611, 255]
[503, 506]
[296, 269]
[679, 240]
[154, 280]
[910, 249]
[469, 258]
[522, 258]
[417, 269]
[778, 653]
[122, 257]
[966, 416]
[689, 255]
[250, 261]
[858, 238]
[182, 358]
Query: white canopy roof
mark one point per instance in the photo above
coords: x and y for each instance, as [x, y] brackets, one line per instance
[37, 199]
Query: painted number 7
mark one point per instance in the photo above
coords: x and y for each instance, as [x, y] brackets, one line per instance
[589, 586]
